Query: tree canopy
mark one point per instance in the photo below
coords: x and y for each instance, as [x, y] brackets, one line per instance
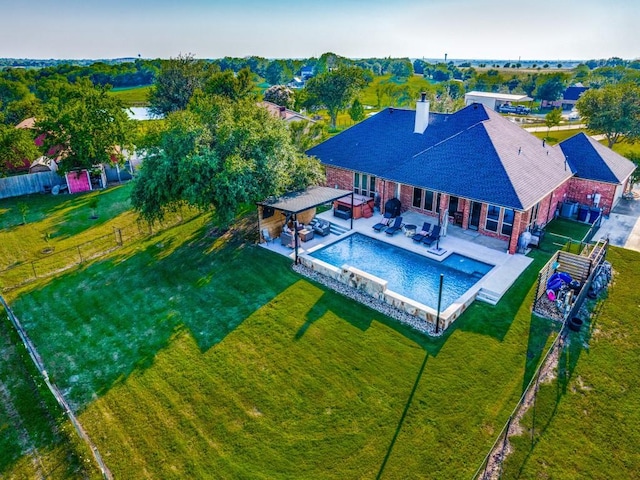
[335, 89]
[176, 82]
[553, 119]
[85, 125]
[613, 111]
[280, 95]
[220, 153]
[16, 146]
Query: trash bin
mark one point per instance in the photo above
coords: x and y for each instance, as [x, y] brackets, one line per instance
[594, 213]
[568, 209]
[583, 213]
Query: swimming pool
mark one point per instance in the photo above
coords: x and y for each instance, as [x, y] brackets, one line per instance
[407, 273]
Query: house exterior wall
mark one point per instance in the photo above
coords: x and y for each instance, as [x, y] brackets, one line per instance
[579, 189]
[339, 178]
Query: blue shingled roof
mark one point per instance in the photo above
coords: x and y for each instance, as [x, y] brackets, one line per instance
[592, 161]
[456, 154]
[573, 93]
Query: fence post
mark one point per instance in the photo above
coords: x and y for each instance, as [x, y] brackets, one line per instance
[80, 254]
[33, 267]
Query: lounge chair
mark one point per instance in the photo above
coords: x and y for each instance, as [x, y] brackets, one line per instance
[433, 236]
[384, 223]
[426, 229]
[397, 225]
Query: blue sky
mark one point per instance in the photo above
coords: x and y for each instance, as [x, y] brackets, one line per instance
[471, 29]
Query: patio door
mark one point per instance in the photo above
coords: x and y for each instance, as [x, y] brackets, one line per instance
[474, 215]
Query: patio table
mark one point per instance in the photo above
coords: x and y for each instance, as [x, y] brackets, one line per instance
[410, 229]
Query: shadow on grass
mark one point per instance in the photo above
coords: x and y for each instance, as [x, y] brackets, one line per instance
[403, 416]
[97, 325]
[541, 330]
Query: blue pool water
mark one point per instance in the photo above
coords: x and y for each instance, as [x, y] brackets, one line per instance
[407, 273]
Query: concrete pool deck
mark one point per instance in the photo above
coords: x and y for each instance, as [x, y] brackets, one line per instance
[490, 289]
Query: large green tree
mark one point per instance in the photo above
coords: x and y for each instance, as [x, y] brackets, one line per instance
[220, 153]
[334, 90]
[176, 82]
[85, 125]
[226, 84]
[612, 111]
[16, 145]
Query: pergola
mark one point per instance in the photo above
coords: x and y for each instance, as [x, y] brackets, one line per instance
[297, 202]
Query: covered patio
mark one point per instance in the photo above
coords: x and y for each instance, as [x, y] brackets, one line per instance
[300, 208]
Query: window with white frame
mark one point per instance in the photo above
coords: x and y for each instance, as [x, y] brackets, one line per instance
[364, 184]
[431, 201]
[507, 221]
[417, 197]
[493, 218]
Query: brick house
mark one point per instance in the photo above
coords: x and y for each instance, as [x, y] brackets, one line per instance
[487, 173]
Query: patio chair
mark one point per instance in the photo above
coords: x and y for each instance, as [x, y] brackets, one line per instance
[397, 226]
[433, 236]
[266, 235]
[321, 227]
[384, 223]
[286, 239]
[426, 229]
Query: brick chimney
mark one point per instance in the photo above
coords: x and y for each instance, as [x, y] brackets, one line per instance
[422, 114]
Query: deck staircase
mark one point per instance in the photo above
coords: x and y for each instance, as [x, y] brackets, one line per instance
[337, 229]
[488, 296]
[367, 211]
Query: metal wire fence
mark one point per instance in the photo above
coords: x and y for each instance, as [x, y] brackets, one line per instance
[58, 261]
[493, 463]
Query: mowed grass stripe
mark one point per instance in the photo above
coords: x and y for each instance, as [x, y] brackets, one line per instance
[292, 419]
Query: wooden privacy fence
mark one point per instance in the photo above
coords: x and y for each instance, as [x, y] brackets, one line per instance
[29, 183]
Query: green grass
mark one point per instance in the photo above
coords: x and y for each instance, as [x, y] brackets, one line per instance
[133, 97]
[187, 354]
[586, 420]
[66, 219]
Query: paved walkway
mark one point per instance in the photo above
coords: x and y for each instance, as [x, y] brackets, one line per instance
[623, 224]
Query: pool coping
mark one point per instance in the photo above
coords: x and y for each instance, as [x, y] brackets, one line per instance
[376, 287]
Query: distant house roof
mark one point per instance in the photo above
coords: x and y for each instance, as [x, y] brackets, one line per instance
[473, 153]
[27, 123]
[502, 97]
[283, 112]
[591, 160]
[573, 93]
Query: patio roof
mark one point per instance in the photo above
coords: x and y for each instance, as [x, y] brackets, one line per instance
[297, 202]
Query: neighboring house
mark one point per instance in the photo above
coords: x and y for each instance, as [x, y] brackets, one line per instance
[568, 100]
[307, 72]
[284, 113]
[297, 82]
[493, 100]
[489, 174]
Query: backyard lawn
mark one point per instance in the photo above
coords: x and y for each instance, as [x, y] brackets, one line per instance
[190, 354]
